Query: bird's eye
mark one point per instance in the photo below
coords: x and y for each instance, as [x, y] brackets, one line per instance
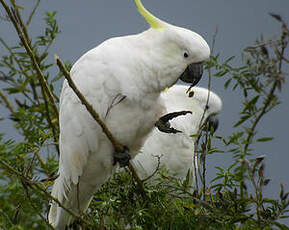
[186, 55]
[207, 107]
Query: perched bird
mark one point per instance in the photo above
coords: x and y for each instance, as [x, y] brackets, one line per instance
[122, 79]
[175, 152]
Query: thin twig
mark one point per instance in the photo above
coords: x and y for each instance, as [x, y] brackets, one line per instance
[6, 216]
[285, 59]
[7, 103]
[261, 44]
[117, 146]
[49, 120]
[32, 13]
[203, 117]
[210, 79]
[199, 201]
[214, 39]
[36, 152]
[18, 18]
[138, 180]
[22, 71]
[38, 212]
[156, 169]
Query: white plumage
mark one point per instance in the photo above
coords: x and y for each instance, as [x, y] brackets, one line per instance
[122, 79]
[176, 151]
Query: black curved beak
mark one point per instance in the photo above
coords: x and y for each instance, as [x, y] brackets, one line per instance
[213, 122]
[193, 73]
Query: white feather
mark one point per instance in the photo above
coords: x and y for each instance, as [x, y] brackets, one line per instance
[176, 151]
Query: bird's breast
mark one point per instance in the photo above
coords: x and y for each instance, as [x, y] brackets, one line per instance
[130, 122]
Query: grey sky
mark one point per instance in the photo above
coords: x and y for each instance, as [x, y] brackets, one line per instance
[85, 24]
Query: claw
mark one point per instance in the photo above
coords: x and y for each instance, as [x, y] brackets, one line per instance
[122, 158]
[163, 124]
[165, 127]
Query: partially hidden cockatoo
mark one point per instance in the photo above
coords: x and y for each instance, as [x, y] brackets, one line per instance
[175, 152]
[122, 79]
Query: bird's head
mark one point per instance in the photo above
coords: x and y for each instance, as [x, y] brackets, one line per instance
[199, 101]
[210, 103]
[181, 52]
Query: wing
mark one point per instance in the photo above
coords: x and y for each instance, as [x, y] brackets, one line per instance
[172, 151]
[80, 135]
[85, 152]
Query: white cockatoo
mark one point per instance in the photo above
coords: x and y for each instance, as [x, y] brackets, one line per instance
[175, 152]
[122, 79]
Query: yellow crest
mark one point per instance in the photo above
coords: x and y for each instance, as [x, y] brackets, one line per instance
[151, 19]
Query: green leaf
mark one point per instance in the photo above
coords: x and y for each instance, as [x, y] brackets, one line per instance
[242, 120]
[227, 83]
[264, 139]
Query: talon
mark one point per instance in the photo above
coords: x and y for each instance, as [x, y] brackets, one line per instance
[189, 89]
[165, 127]
[122, 158]
[163, 124]
[173, 115]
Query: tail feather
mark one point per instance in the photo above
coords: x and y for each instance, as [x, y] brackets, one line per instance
[74, 197]
[58, 217]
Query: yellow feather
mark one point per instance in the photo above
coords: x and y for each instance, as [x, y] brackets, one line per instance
[151, 19]
[166, 90]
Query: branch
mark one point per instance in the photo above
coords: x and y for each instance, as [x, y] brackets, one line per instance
[24, 37]
[21, 70]
[6, 101]
[32, 13]
[38, 212]
[267, 102]
[18, 24]
[6, 216]
[49, 120]
[38, 187]
[210, 78]
[203, 175]
[117, 145]
[155, 171]
[138, 180]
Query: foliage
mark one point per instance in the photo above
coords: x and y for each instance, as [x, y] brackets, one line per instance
[28, 164]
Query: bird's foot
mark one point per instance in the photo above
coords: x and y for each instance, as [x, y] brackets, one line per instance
[163, 124]
[122, 158]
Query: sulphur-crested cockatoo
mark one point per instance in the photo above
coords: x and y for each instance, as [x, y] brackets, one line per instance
[122, 79]
[175, 152]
